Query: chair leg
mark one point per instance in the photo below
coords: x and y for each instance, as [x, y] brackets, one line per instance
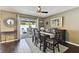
[36, 42]
[32, 39]
[53, 49]
[40, 46]
[58, 47]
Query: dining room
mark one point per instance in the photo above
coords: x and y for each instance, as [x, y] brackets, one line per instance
[39, 29]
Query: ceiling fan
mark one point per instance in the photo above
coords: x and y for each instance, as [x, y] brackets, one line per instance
[39, 10]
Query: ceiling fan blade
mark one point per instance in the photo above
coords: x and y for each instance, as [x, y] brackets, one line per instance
[39, 10]
[44, 12]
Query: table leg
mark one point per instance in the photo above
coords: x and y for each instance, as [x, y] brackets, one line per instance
[44, 44]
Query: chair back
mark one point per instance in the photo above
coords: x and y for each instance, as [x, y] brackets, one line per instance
[37, 33]
[33, 31]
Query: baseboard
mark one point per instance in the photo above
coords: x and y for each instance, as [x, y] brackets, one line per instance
[9, 41]
[72, 43]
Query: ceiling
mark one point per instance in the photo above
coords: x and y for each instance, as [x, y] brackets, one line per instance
[31, 10]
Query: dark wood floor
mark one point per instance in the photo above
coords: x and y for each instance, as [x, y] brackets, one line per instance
[72, 48]
[21, 46]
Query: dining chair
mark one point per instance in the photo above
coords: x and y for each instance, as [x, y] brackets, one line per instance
[42, 37]
[39, 39]
[37, 36]
[51, 43]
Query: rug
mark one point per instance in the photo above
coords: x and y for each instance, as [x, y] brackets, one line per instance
[35, 49]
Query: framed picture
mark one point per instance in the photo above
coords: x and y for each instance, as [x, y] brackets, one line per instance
[57, 22]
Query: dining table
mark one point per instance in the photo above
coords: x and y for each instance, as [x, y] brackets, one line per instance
[45, 34]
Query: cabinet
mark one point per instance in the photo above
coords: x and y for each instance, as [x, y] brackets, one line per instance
[62, 36]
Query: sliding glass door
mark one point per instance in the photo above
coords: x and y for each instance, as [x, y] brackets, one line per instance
[25, 27]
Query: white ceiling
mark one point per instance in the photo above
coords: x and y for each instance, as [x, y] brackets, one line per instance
[31, 10]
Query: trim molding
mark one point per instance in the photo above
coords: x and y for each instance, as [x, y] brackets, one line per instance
[72, 43]
[9, 41]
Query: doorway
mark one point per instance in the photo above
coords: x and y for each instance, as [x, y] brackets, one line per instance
[26, 28]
